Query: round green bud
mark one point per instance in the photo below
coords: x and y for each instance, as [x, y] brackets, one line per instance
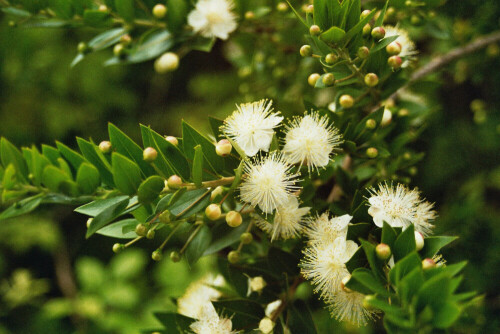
[363, 52]
[395, 62]
[346, 101]
[305, 50]
[367, 302]
[328, 79]
[213, 211]
[407, 155]
[390, 12]
[331, 58]
[282, 7]
[383, 251]
[159, 11]
[244, 71]
[246, 238]
[233, 218]
[233, 257]
[223, 148]
[172, 140]
[157, 255]
[412, 171]
[149, 154]
[12, 24]
[394, 48]
[371, 79]
[365, 14]
[249, 15]
[403, 112]
[309, 9]
[174, 182]
[165, 217]
[371, 124]
[117, 248]
[151, 234]
[372, 152]
[105, 146]
[119, 50]
[367, 29]
[89, 221]
[315, 30]
[313, 78]
[378, 33]
[125, 39]
[141, 230]
[175, 256]
[428, 263]
[416, 19]
[83, 48]
[167, 62]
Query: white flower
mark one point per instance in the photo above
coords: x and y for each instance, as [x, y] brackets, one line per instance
[198, 295]
[408, 48]
[252, 126]
[272, 307]
[287, 222]
[400, 207]
[323, 230]
[310, 140]
[211, 323]
[324, 265]
[386, 117]
[213, 18]
[348, 306]
[268, 183]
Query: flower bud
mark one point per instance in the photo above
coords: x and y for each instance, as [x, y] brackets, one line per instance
[103, 8]
[223, 148]
[233, 257]
[363, 52]
[394, 48]
[386, 118]
[119, 50]
[125, 39]
[174, 182]
[364, 14]
[416, 19]
[328, 79]
[234, 219]
[266, 325]
[371, 79]
[367, 29]
[314, 30]
[172, 140]
[89, 221]
[331, 58]
[105, 146]
[151, 234]
[282, 7]
[395, 62]
[141, 230]
[371, 124]
[419, 240]
[391, 11]
[249, 15]
[167, 62]
[403, 112]
[383, 251]
[213, 211]
[175, 256]
[313, 78]
[218, 191]
[157, 255]
[378, 33]
[246, 238]
[83, 48]
[12, 24]
[305, 51]
[117, 248]
[366, 302]
[344, 282]
[256, 284]
[310, 9]
[346, 101]
[159, 11]
[428, 264]
[412, 171]
[149, 154]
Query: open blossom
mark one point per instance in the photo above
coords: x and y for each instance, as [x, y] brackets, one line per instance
[198, 295]
[348, 306]
[288, 220]
[400, 207]
[408, 48]
[211, 323]
[322, 229]
[268, 183]
[213, 18]
[252, 126]
[310, 141]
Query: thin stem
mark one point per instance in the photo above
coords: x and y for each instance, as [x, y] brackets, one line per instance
[240, 246]
[191, 237]
[171, 234]
[130, 243]
[210, 184]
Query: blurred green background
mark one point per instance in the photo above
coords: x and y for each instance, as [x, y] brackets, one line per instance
[53, 280]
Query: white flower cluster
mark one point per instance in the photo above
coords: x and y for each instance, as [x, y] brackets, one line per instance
[401, 207]
[270, 181]
[408, 49]
[213, 18]
[324, 262]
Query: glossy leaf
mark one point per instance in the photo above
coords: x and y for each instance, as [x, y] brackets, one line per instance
[88, 178]
[198, 244]
[126, 174]
[150, 189]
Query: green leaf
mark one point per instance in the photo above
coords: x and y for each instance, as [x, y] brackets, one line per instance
[126, 174]
[93, 155]
[321, 14]
[245, 313]
[215, 124]
[107, 215]
[432, 245]
[106, 39]
[360, 230]
[94, 208]
[88, 178]
[383, 43]
[434, 292]
[177, 14]
[361, 132]
[198, 244]
[192, 138]
[50, 153]
[9, 154]
[366, 278]
[22, 207]
[333, 35]
[300, 319]
[150, 189]
[174, 323]
[358, 27]
[446, 315]
[53, 177]
[353, 14]
[198, 166]
[376, 264]
[404, 244]
[404, 267]
[74, 158]
[62, 8]
[190, 203]
[125, 9]
[384, 306]
[9, 177]
[389, 235]
[63, 165]
[123, 229]
[282, 262]
[97, 19]
[410, 284]
[357, 260]
[224, 236]
[380, 20]
[16, 12]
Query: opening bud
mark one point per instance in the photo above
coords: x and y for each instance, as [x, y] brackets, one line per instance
[168, 62]
[175, 256]
[386, 118]
[141, 230]
[371, 79]
[266, 325]
[315, 30]
[328, 79]
[346, 101]
[371, 124]
[213, 211]
[394, 48]
[312, 79]
[157, 255]
[174, 182]
[428, 264]
[282, 7]
[172, 140]
[246, 238]
[305, 51]
[117, 248]
[331, 58]
[151, 234]
[105, 146]
[223, 148]
[363, 52]
[218, 191]
[159, 11]
[395, 62]
[419, 240]
[233, 257]
[383, 251]
[344, 282]
[234, 219]
[378, 33]
[149, 154]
